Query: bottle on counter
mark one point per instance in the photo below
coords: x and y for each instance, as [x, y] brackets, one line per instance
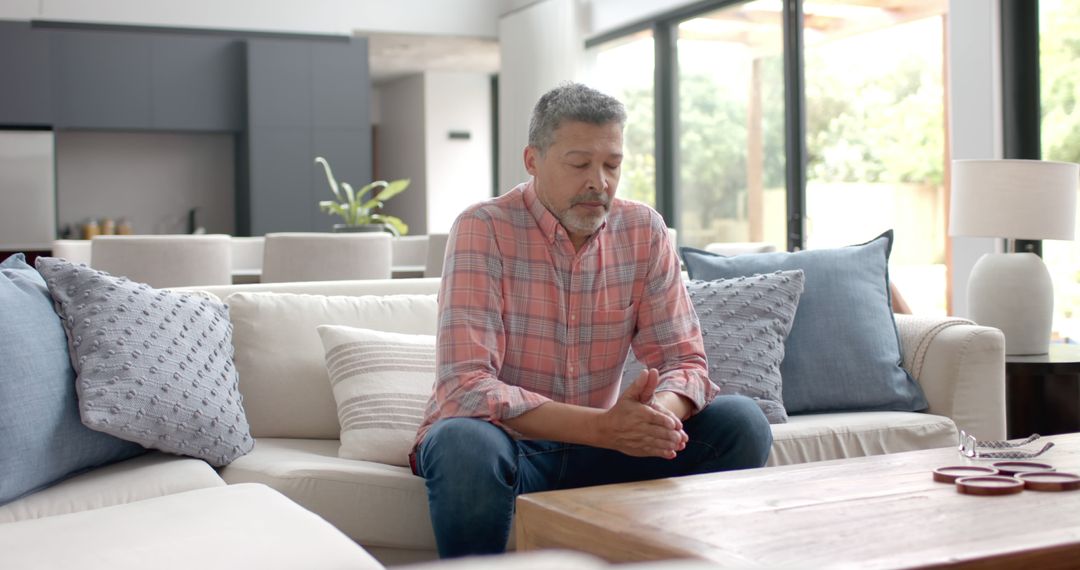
[108, 227]
[123, 227]
[90, 228]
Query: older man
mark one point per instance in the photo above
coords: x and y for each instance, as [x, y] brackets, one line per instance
[544, 290]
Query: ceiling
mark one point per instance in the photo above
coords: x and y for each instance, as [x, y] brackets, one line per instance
[396, 55]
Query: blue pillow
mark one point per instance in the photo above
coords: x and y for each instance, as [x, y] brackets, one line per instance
[843, 351]
[42, 439]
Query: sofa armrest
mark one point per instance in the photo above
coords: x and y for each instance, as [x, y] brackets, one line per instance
[961, 369]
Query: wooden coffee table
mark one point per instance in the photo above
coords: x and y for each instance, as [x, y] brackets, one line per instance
[871, 512]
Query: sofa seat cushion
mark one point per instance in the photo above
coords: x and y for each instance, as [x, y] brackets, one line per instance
[151, 475]
[243, 526]
[819, 437]
[374, 503]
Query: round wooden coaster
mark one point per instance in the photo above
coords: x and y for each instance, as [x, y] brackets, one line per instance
[953, 472]
[1017, 467]
[989, 485]
[1050, 481]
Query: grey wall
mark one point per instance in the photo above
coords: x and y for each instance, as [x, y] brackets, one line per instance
[152, 179]
[402, 150]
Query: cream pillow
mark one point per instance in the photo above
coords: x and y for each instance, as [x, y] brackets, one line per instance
[382, 382]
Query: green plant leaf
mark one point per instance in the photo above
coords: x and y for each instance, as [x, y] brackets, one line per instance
[376, 184]
[390, 189]
[329, 176]
[397, 227]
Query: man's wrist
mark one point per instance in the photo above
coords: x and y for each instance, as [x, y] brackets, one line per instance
[675, 403]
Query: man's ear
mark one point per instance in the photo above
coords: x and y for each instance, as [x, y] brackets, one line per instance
[531, 156]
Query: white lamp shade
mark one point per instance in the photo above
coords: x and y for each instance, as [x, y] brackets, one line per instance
[1016, 199]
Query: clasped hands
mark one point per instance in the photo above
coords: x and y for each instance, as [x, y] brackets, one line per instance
[640, 424]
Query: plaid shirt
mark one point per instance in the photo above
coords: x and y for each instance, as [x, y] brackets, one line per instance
[524, 319]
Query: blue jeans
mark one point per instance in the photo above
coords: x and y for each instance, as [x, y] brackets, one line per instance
[474, 470]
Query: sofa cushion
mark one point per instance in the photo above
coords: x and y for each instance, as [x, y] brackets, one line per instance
[382, 383]
[375, 504]
[241, 526]
[42, 439]
[154, 367]
[820, 437]
[744, 322]
[843, 352]
[149, 475]
[281, 359]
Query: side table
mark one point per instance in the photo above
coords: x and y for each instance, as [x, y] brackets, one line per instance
[1042, 393]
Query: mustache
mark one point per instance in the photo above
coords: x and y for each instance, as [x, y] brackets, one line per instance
[592, 197]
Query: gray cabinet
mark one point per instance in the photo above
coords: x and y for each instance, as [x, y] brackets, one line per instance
[101, 79]
[197, 83]
[135, 81]
[305, 99]
[26, 97]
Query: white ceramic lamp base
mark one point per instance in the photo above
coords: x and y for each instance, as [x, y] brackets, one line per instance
[1013, 292]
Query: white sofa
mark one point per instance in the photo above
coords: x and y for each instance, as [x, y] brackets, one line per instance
[960, 366]
[176, 512]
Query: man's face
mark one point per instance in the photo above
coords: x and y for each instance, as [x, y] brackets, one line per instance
[577, 176]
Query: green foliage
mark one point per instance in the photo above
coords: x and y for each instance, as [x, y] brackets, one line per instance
[1059, 52]
[354, 209]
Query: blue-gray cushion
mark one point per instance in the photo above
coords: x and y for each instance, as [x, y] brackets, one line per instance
[153, 366]
[42, 439]
[744, 322]
[843, 352]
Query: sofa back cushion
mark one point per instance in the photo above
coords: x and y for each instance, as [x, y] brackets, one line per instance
[281, 360]
[42, 439]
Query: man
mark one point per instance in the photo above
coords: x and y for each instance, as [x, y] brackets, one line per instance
[544, 290]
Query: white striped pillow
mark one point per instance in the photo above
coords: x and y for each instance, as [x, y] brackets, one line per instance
[381, 383]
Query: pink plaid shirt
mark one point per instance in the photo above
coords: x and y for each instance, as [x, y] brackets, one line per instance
[524, 319]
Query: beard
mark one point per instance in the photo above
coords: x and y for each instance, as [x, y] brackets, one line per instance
[584, 222]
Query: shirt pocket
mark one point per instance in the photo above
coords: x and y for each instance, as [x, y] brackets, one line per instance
[608, 337]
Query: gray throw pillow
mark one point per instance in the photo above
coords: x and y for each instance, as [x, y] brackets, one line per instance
[744, 322]
[154, 367]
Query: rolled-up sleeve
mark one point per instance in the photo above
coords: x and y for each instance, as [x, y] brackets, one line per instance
[668, 333]
[471, 341]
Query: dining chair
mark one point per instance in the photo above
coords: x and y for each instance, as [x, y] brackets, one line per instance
[297, 256]
[172, 260]
[436, 253]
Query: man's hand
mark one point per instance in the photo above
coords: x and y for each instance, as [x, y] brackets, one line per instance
[638, 426]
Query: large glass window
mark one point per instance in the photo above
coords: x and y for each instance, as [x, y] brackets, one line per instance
[623, 68]
[730, 128]
[1059, 70]
[875, 121]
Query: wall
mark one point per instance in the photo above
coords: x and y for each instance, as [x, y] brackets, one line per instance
[974, 114]
[402, 150]
[456, 17]
[541, 45]
[152, 179]
[458, 171]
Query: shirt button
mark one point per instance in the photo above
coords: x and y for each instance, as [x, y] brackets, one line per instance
[573, 317]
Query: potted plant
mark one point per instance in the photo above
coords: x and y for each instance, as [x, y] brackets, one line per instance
[360, 215]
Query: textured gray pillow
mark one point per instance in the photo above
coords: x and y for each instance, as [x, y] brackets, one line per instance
[744, 322]
[154, 367]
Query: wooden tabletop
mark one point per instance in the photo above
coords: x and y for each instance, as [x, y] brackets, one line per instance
[872, 512]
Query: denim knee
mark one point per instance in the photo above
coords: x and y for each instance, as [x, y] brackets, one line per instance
[468, 444]
[738, 427]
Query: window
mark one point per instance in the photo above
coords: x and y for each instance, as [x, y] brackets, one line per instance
[872, 80]
[1059, 70]
[876, 156]
[623, 68]
[730, 127]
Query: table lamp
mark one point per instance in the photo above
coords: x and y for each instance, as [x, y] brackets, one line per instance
[1014, 199]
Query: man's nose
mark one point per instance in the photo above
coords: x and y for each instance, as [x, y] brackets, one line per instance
[598, 179]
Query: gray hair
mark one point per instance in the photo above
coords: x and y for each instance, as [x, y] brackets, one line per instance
[571, 102]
